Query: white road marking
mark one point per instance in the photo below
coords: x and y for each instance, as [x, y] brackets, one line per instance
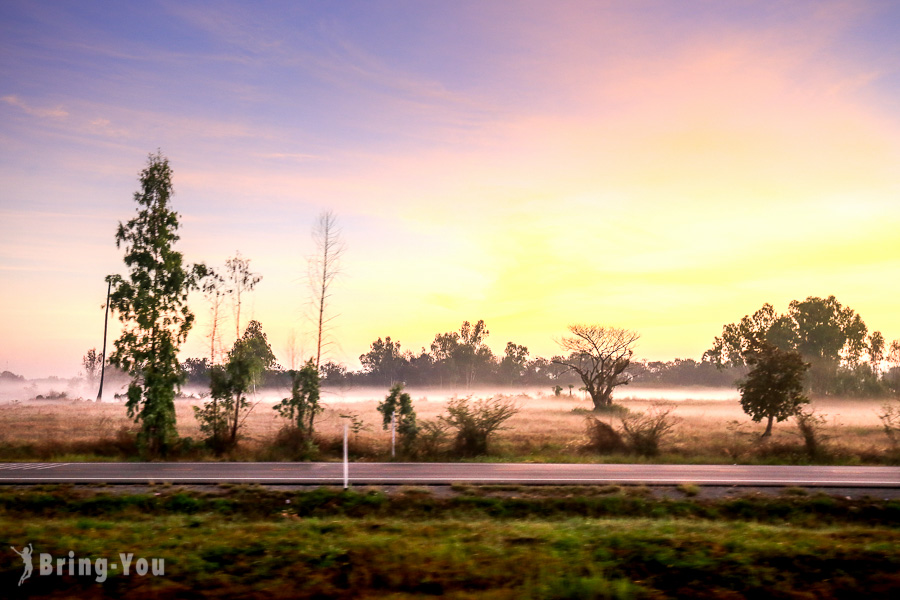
[29, 466]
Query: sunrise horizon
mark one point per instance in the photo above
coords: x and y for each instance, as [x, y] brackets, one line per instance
[662, 167]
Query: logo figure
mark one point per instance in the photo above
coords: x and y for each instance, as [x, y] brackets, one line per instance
[26, 558]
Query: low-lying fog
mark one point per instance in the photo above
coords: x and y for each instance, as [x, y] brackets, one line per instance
[80, 389]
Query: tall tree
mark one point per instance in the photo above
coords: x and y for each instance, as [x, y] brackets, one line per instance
[472, 353]
[324, 266]
[599, 355]
[241, 280]
[514, 362]
[152, 306]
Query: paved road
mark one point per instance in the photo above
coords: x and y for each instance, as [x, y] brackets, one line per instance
[445, 473]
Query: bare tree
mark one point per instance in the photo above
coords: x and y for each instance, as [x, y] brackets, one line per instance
[242, 280]
[600, 356]
[323, 268]
[215, 290]
[292, 349]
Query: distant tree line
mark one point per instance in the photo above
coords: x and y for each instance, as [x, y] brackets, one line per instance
[460, 359]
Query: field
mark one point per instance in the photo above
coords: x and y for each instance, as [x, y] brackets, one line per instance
[547, 428]
[489, 542]
[460, 541]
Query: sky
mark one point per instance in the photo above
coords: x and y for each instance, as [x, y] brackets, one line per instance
[666, 167]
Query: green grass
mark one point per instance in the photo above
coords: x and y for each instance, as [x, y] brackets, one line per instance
[504, 541]
[463, 557]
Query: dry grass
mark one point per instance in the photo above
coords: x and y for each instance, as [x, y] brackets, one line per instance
[546, 428]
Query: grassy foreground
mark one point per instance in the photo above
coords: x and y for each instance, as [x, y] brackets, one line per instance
[250, 542]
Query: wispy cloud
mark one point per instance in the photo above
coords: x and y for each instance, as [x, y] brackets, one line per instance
[54, 113]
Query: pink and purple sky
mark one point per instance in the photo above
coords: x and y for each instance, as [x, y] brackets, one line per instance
[662, 166]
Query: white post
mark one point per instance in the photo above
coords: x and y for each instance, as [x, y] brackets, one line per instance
[346, 458]
[393, 434]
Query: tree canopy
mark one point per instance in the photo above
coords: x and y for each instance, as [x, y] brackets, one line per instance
[773, 389]
[826, 334]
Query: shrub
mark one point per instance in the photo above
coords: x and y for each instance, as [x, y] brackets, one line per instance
[645, 430]
[810, 425]
[602, 437]
[476, 421]
[431, 438]
[890, 421]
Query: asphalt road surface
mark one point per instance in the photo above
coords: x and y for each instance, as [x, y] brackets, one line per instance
[445, 473]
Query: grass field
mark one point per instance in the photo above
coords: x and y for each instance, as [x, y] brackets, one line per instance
[546, 429]
[250, 542]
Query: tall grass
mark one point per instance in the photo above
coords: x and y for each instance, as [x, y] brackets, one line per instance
[544, 429]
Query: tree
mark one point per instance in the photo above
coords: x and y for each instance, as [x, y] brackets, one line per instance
[826, 334]
[303, 405]
[514, 362]
[400, 403]
[773, 389]
[214, 290]
[383, 360]
[152, 306]
[471, 352]
[599, 355]
[443, 349]
[223, 415]
[323, 268]
[92, 362]
[241, 280]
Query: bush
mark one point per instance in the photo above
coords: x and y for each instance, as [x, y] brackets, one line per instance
[293, 443]
[810, 425]
[431, 438]
[602, 437]
[476, 421]
[890, 421]
[645, 430]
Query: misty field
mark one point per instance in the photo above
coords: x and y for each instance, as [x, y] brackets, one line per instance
[546, 428]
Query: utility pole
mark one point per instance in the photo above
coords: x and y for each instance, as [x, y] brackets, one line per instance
[103, 356]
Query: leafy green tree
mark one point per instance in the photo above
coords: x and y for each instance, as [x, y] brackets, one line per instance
[773, 389]
[599, 355]
[384, 360]
[152, 306]
[472, 354]
[827, 334]
[223, 415]
[514, 362]
[303, 405]
[399, 402]
[443, 351]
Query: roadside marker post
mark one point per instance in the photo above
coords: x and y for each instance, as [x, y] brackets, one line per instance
[346, 458]
[393, 434]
